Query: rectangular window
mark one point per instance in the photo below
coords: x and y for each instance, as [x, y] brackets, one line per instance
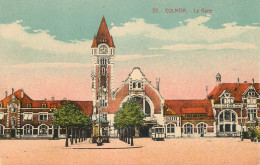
[13, 121]
[221, 128]
[227, 128]
[43, 117]
[27, 116]
[105, 116]
[234, 128]
[44, 105]
[2, 116]
[28, 105]
[1, 105]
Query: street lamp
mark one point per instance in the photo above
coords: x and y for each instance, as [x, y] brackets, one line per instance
[99, 142]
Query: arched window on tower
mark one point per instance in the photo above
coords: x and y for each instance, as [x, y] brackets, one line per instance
[103, 70]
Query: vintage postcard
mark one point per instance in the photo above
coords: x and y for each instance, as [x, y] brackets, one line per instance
[129, 82]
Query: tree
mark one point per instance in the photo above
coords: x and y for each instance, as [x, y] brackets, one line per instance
[69, 115]
[129, 117]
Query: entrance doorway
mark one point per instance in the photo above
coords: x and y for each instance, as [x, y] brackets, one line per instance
[56, 133]
[12, 133]
[145, 131]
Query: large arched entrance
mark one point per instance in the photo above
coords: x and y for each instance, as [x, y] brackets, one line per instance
[148, 108]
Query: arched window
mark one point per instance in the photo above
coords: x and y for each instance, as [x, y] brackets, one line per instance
[43, 130]
[202, 128]
[13, 121]
[103, 70]
[226, 121]
[27, 130]
[1, 130]
[13, 108]
[227, 116]
[188, 129]
[170, 128]
[134, 85]
[139, 85]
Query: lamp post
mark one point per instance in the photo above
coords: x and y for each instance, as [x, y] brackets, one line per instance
[99, 142]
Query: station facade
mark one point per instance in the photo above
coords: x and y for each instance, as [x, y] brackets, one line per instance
[225, 112]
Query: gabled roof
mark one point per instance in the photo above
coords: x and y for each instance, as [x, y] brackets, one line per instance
[181, 107]
[86, 106]
[18, 95]
[234, 89]
[103, 33]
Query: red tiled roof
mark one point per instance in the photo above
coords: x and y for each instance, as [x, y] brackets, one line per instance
[181, 107]
[86, 106]
[234, 89]
[194, 110]
[103, 33]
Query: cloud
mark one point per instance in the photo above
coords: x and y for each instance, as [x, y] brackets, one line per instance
[234, 45]
[50, 65]
[134, 57]
[189, 30]
[41, 40]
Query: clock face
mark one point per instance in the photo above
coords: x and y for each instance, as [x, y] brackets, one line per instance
[103, 49]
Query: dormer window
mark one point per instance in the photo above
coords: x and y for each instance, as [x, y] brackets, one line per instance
[44, 105]
[1, 105]
[28, 105]
[251, 93]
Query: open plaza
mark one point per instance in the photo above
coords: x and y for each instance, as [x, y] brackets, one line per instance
[210, 151]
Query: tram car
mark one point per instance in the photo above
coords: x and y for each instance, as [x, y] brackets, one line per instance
[158, 133]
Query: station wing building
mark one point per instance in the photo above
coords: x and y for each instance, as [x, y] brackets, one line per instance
[22, 117]
[227, 110]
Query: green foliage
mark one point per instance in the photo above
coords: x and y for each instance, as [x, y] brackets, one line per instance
[130, 115]
[70, 115]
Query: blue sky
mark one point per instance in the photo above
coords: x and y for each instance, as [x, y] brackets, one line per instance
[43, 43]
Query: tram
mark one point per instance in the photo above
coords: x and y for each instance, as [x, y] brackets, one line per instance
[158, 133]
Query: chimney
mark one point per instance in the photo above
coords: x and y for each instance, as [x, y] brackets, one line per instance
[12, 91]
[245, 81]
[238, 81]
[22, 92]
[253, 80]
[6, 93]
[52, 98]
[206, 92]
[158, 84]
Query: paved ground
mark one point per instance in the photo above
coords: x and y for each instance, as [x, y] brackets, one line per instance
[171, 151]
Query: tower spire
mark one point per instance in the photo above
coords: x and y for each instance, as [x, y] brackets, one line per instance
[103, 35]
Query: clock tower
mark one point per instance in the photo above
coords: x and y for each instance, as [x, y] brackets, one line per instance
[103, 50]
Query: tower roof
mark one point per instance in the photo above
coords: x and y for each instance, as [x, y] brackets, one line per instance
[103, 29]
[103, 35]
